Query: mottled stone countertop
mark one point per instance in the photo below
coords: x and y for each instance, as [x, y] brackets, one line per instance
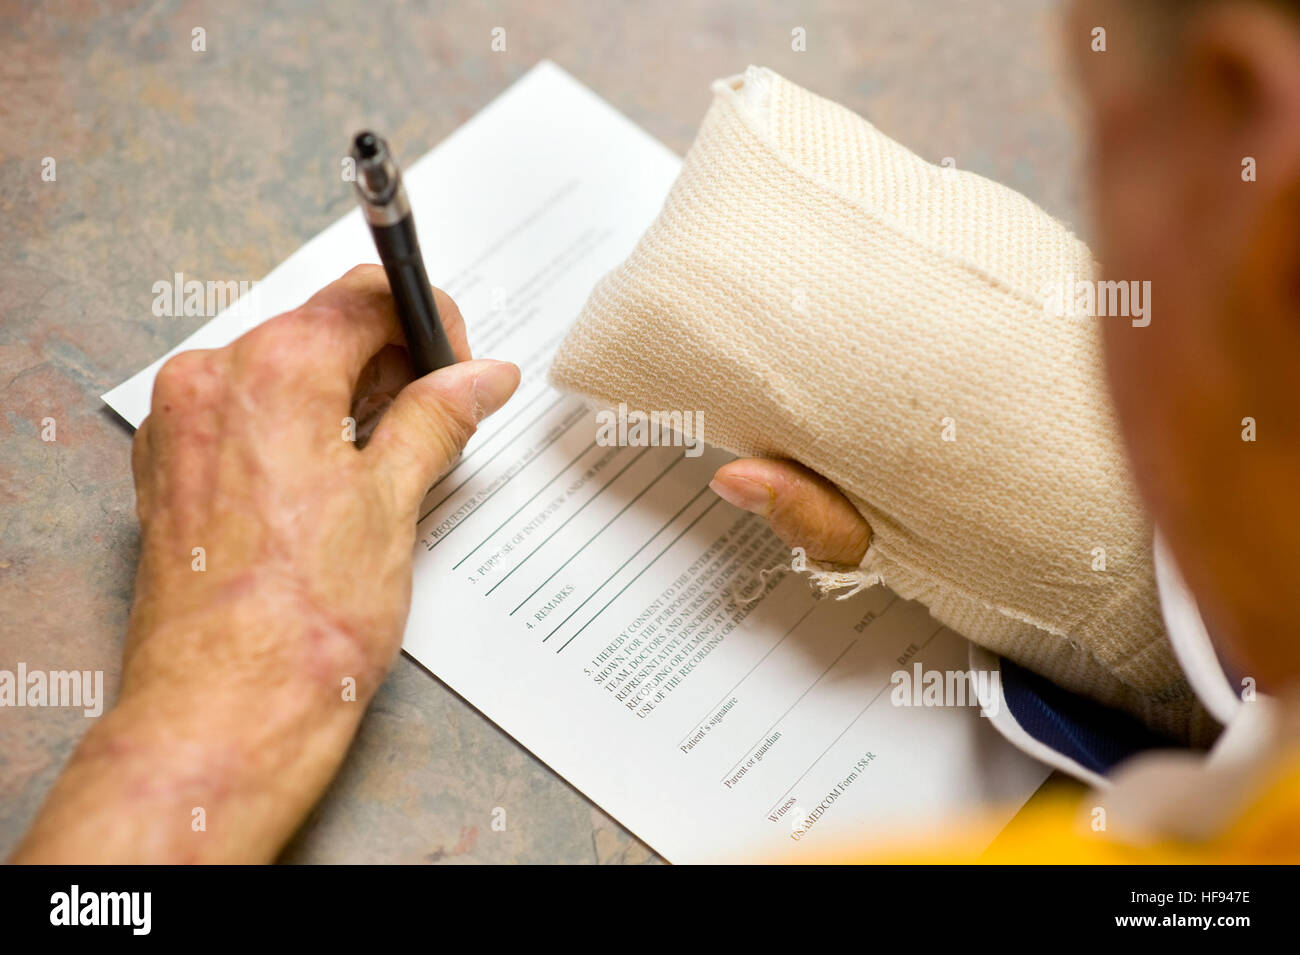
[169, 160]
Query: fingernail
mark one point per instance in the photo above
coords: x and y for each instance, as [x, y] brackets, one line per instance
[745, 494]
[493, 387]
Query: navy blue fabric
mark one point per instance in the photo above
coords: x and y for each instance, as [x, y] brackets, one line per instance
[1093, 735]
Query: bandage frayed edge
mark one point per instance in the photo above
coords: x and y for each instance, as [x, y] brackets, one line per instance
[827, 578]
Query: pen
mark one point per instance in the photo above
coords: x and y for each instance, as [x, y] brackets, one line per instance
[387, 211]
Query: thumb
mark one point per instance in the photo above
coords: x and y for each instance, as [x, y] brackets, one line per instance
[803, 508]
[428, 423]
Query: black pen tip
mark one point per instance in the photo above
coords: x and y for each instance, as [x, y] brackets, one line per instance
[366, 145]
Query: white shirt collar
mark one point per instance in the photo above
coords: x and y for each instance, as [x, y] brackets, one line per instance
[1192, 645]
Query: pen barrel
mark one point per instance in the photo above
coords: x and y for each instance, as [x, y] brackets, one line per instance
[426, 339]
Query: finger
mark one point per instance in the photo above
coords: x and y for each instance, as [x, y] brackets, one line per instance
[431, 419]
[804, 509]
[387, 373]
[366, 290]
[140, 452]
[336, 332]
[140, 471]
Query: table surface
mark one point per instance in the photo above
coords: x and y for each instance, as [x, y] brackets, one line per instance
[171, 160]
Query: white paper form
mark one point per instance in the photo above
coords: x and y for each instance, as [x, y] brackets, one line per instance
[585, 597]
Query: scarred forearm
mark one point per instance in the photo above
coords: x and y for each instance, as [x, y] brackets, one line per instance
[219, 771]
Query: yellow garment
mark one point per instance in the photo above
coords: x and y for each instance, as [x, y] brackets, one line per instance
[1267, 830]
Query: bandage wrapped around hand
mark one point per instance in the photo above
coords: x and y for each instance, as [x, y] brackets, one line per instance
[821, 294]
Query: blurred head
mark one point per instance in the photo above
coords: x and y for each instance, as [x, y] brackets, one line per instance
[1188, 99]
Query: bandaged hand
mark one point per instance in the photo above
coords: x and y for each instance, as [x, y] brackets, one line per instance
[875, 337]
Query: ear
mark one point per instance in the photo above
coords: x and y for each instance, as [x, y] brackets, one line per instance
[1238, 66]
[1237, 70]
